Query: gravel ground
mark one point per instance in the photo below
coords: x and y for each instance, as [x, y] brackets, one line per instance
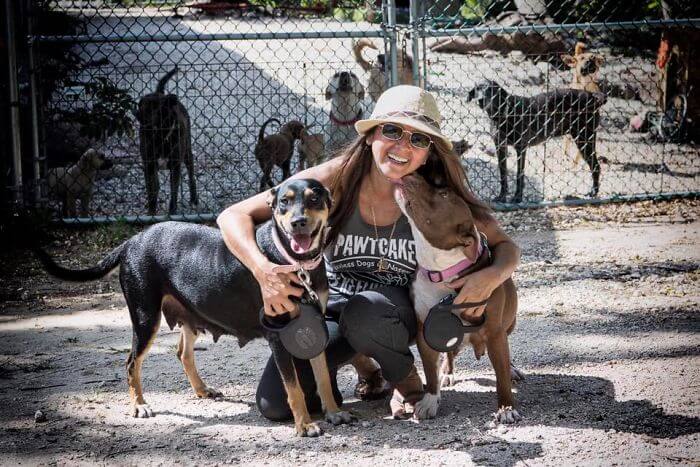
[607, 336]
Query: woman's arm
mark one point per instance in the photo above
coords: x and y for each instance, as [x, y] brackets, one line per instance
[506, 254]
[479, 285]
[237, 224]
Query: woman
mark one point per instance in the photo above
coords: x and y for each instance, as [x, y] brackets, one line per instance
[370, 257]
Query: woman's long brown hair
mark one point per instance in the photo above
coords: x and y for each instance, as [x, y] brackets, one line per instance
[442, 162]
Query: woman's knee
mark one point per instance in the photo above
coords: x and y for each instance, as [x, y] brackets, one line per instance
[273, 407]
[388, 306]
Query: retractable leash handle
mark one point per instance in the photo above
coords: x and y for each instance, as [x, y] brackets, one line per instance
[443, 330]
[305, 336]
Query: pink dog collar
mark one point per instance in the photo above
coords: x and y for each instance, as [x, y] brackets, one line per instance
[339, 122]
[456, 270]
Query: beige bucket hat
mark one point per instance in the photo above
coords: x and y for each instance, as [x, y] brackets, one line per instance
[406, 105]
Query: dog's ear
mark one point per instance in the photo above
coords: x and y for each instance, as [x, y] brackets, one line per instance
[467, 238]
[272, 197]
[568, 60]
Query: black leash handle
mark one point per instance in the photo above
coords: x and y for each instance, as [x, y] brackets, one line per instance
[464, 305]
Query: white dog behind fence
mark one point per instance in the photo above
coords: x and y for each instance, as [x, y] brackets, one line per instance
[345, 91]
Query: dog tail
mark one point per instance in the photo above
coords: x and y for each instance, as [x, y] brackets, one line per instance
[108, 263]
[261, 135]
[357, 49]
[164, 80]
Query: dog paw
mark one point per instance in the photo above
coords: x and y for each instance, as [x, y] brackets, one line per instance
[399, 409]
[311, 429]
[340, 417]
[447, 380]
[427, 407]
[142, 411]
[208, 393]
[515, 374]
[507, 415]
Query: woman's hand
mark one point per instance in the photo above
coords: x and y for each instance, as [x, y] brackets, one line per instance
[474, 288]
[276, 289]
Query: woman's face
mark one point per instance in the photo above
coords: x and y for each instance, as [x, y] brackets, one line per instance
[395, 159]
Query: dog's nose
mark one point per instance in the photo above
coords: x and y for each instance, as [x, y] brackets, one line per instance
[298, 222]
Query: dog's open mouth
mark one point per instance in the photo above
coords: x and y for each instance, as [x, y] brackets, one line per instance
[300, 243]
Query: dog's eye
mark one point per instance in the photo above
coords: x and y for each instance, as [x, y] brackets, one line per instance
[284, 202]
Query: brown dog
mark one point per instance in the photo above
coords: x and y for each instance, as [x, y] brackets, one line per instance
[377, 81]
[585, 66]
[445, 235]
[311, 147]
[76, 182]
[277, 149]
[165, 134]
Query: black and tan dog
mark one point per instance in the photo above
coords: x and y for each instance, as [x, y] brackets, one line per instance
[165, 134]
[277, 149]
[522, 122]
[167, 269]
[448, 242]
[76, 182]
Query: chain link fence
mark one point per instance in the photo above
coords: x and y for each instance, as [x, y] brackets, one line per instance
[147, 110]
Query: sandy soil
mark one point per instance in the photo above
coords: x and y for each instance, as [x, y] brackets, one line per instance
[607, 336]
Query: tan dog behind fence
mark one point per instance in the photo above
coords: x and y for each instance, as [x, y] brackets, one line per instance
[378, 69]
[76, 182]
[585, 67]
[311, 147]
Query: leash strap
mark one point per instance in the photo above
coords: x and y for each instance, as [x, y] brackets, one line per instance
[305, 279]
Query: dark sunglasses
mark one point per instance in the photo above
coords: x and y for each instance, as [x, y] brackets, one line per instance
[395, 133]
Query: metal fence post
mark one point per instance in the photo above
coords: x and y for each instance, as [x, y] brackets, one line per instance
[415, 37]
[14, 100]
[34, 91]
[393, 52]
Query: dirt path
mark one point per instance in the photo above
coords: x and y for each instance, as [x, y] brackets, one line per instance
[608, 335]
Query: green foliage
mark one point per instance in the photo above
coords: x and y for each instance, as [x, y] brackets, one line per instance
[474, 10]
[110, 110]
[109, 114]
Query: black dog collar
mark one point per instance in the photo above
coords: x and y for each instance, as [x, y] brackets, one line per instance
[305, 336]
[443, 330]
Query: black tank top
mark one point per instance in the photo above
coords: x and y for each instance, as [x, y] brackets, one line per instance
[352, 260]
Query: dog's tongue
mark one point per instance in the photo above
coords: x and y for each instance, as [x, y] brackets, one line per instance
[300, 243]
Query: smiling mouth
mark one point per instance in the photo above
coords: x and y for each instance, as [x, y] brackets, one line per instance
[301, 242]
[397, 159]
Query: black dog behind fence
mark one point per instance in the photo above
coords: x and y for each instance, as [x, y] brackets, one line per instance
[166, 93]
